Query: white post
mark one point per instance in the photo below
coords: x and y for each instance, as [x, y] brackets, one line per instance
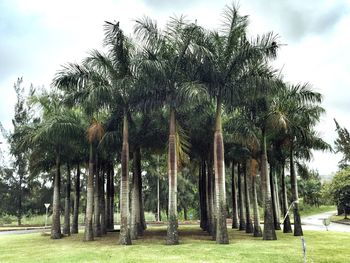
[304, 248]
[47, 208]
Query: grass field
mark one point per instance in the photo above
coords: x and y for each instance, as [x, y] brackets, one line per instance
[195, 246]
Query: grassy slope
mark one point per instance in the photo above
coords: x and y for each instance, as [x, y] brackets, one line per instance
[196, 246]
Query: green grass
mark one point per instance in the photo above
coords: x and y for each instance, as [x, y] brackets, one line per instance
[195, 246]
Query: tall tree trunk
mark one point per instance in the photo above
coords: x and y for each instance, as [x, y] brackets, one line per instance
[108, 197]
[275, 181]
[242, 221]
[67, 204]
[172, 233]
[142, 211]
[219, 167]
[75, 223]
[103, 201]
[276, 219]
[19, 211]
[56, 207]
[234, 198]
[212, 195]
[249, 223]
[124, 237]
[136, 227]
[298, 231]
[287, 228]
[158, 189]
[202, 195]
[253, 173]
[97, 205]
[89, 234]
[112, 196]
[269, 227]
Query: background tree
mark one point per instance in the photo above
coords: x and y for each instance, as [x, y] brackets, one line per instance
[340, 190]
[342, 144]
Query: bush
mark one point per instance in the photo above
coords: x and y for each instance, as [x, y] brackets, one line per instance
[340, 189]
[5, 220]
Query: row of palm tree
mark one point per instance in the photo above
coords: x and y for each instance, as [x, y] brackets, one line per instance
[217, 84]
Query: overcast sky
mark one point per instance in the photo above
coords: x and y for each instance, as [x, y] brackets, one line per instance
[38, 36]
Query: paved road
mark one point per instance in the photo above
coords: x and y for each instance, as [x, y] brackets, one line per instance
[24, 231]
[39, 230]
[315, 222]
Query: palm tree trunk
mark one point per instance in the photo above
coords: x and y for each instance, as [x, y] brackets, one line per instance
[276, 219]
[136, 228]
[56, 213]
[112, 196]
[76, 202]
[298, 231]
[257, 227]
[242, 222]
[278, 207]
[234, 198]
[287, 228]
[124, 237]
[158, 189]
[20, 193]
[103, 202]
[269, 227]
[142, 211]
[202, 195]
[249, 223]
[219, 167]
[108, 197]
[172, 232]
[89, 234]
[67, 208]
[212, 195]
[97, 205]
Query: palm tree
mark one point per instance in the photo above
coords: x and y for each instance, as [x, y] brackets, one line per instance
[168, 60]
[297, 106]
[227, 71]
[106, 80]
[253, 172]
[56, 129]
[242, 131]
[67, 203]
[95, 133]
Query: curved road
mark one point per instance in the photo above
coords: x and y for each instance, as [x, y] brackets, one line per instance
[315, 222]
